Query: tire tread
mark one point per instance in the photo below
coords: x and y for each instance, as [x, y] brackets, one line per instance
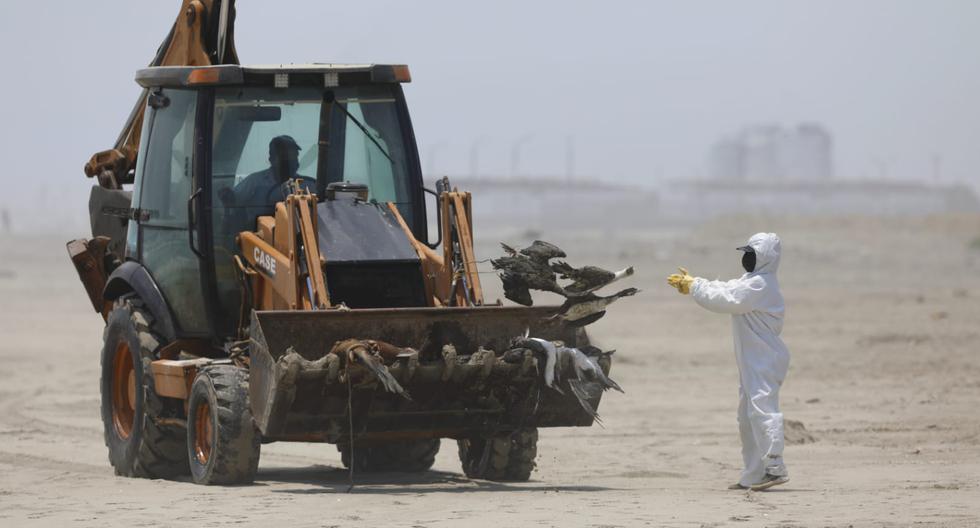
[161, 452]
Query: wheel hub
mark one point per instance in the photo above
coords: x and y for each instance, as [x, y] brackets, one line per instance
[123, 392]
[203, 442]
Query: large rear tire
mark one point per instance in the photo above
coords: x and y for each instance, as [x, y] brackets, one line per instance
[508, 457]
[408, 456]
[140, 443]
[223, 444]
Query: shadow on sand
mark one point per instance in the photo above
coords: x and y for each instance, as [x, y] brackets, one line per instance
[328, 479]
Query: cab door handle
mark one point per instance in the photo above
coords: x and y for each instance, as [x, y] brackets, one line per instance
[191, 223]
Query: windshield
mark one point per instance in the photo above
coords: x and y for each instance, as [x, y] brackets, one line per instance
[365, 143]
[266, 137]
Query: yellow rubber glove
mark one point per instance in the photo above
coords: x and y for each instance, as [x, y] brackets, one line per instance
[682, 281]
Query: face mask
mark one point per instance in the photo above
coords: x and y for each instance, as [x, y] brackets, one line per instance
[748, 261]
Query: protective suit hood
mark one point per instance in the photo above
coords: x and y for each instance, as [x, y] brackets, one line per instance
[767, 248]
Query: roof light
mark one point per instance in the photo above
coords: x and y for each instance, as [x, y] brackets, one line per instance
[331, 79]
[281, 80]
[402, 74]
[203, 76]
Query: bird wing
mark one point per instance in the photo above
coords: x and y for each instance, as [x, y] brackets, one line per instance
[543, 251]
[362, 356]
[518, 292]
[583, 366]
[584, 363]
[605, 278]
[585, 321]
[579, 389]
[578, 310]
[609, 383]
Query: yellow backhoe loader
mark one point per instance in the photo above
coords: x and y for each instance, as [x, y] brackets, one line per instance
[262, 260]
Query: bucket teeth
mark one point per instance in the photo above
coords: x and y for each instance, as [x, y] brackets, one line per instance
[449, 356]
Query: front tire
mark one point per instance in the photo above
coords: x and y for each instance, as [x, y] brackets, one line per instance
[132, 412]
[223, 444]
[504, 458]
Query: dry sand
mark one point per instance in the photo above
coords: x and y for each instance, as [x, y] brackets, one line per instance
[883, 323]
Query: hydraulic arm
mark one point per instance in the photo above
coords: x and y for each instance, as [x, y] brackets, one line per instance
[202, 35]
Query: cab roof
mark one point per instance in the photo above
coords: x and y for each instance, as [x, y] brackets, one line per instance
[278, 75]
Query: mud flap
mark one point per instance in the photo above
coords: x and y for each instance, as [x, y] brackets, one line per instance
[89, 258]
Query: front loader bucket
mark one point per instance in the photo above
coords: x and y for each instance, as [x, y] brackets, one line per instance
[458, 381]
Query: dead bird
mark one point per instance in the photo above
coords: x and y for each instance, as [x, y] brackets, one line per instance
[368, 355]
[585, 367]
[547, 349]
[580, 311]
[588, 279]
[531, 269]
[589, 381]
[528, 269]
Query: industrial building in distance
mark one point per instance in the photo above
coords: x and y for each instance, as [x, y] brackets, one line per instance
[774, 153]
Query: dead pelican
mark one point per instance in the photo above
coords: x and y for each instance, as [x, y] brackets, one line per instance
[528, 269]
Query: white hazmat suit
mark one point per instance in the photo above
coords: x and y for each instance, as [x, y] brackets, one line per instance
[756, 306]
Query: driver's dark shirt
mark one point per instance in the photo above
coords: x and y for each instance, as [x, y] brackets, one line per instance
[263, 189]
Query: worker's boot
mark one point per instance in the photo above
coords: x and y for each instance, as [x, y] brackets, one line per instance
[769, 481]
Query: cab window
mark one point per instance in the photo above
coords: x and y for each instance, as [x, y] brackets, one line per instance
[264, 137]
[164, 182]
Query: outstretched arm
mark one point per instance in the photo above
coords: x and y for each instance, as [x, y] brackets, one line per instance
[737, 296]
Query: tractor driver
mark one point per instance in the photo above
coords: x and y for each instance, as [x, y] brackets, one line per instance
[265, 188]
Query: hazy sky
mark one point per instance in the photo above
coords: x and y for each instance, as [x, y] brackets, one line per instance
[642, 87]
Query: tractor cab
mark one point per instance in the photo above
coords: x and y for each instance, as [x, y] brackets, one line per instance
[221, 145]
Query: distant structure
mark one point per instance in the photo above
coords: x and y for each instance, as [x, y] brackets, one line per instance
[5, 220]
[706, 198]
[773, 153]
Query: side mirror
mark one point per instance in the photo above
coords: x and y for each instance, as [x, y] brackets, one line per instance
[438, 224]
[157, 100]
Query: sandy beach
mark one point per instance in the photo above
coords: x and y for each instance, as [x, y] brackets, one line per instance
[883, 322]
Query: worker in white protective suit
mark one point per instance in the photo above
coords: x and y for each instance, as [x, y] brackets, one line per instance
[756, 306]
